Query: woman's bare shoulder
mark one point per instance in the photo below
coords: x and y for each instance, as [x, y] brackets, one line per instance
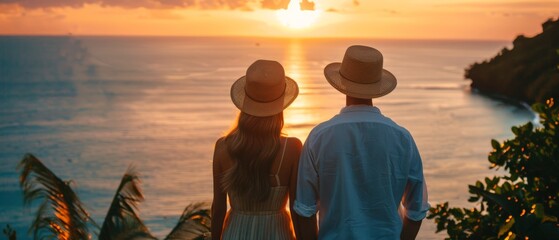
[293, 142]
[293, 149]
[221, 143]
[220, 149]
[220, 140]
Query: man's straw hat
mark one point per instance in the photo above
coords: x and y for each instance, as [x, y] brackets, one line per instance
[360, 74]
[264, 90]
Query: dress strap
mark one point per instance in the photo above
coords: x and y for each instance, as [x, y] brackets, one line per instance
[281, 161]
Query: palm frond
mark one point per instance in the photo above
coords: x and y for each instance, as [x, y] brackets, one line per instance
[194, 223]
[122, 220]
[61, 214]
[10, 232]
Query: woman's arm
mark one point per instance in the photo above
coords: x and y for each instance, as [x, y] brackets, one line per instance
[305, 228]
[219, 205]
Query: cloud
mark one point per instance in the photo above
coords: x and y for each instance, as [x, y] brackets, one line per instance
[355, 3]
[215, 4]
[10, 9]
[306, 5]
[154, 4]
[274, 4]
[527, 9]
[390, 11]
[47, 3]
[282, 4]
[162, 15]
[332, 10]
[551, 4]
[243, 5]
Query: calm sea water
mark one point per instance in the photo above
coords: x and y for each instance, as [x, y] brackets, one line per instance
[91, 106]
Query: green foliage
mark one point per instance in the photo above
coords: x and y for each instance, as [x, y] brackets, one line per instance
[9, 232]
[61, 215]
[194, 223]
[527, 72]
[122, 220]
[523, 203]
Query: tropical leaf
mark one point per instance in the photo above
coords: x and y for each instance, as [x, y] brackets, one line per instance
[10, 233]
[122, 220]
[194, 223]
[61, 214]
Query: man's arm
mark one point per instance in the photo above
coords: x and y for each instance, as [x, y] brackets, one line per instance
[308, 229]
[415, 198]
[306, 196]
[410, 229]
[305, 227]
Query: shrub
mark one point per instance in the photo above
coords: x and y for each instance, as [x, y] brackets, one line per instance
[523, 203]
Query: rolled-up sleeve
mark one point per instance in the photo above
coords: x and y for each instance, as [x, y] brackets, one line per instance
[415, 199]
[307, 184]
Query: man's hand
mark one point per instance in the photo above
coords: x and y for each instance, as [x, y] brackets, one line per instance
[410, 229]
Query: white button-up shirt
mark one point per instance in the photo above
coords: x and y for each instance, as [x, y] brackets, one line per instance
[356, 170]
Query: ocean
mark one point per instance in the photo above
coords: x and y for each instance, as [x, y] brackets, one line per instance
[90, 107]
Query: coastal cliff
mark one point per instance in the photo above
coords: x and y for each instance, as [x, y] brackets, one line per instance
[528, 72]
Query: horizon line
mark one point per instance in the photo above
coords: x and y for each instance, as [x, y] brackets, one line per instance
[254, 36]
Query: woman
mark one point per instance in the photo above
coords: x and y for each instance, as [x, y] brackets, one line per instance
[254, 164]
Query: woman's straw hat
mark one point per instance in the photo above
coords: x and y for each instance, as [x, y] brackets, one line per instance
[360, 74]
[264, 90]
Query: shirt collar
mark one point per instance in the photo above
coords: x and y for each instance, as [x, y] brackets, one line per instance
[360, 108]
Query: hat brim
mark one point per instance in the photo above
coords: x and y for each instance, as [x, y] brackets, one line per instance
[358, 90]
[263, 109]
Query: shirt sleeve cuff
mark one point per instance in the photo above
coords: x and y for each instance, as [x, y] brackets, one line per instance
[304, 210]
[417, 215]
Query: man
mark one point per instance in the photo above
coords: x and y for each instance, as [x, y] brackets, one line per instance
[358, 168]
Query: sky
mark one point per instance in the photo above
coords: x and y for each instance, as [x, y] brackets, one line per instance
[387, 19]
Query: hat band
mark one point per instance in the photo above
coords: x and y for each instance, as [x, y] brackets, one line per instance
[259, 101]
[349, 79]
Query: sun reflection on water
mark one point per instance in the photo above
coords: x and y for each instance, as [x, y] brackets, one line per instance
[298, 117]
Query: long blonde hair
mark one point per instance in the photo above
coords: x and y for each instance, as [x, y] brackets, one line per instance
[253, 145]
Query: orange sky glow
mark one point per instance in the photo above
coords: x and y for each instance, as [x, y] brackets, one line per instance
[401, 19]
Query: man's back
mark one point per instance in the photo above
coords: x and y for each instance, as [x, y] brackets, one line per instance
[355, 169]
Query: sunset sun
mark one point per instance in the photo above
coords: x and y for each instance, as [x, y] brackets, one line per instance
[295, 18]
